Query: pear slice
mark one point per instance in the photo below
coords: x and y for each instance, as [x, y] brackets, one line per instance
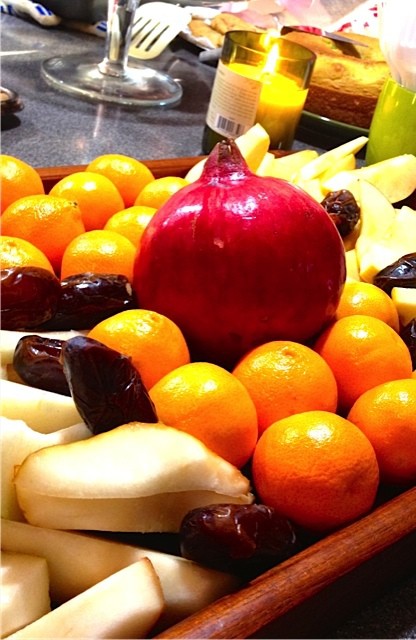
[127, 604]
[325, 161]
[77, 561]
[17, 441]
[43, 411]
[24, 591]
[137, 477]
[405, 300]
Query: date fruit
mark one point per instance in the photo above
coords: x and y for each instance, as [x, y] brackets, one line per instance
[88, 298]
[242, 539]
[107, 389]
[401, 273]
[343, 210]
[408, 335]
[37, 361]
[29, 297]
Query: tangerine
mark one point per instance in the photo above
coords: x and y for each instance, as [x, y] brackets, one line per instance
[317, 469]
[16, 252]
[362, 352]
[97, 197]
[17, 179]
[99, 251]
[154, 343]
[48, 222]
[131, 222]
[159, 191]
[208, 402]
[364, 298]
[128, 174]
[386, 414]
[283, 378]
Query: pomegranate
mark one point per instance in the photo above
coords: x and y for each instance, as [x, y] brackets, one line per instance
[237, 260]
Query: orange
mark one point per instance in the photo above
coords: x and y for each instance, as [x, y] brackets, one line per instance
[387, 416]
[48, 222]
[284, 377]
[17, 179]
[16, 252]
[131, 222]
[317, 469]
[208, 402]
[362, 352]
[159, 191]
[154, 343]
[128, 174]
[366, 299]
[97, 197]
[99, 251]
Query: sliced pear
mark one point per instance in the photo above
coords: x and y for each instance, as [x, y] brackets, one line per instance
[288, 167]
[377, 214]
[353, 273]
[24, 591]
[313, 187]
[17, 442]
[375, 256]
[394, 177]
[42, 410]
[265, 166]
[137, 477]
[325, 161]
[9, 340]
[77, 561]
[405, 300]
[345, 163]
[127, 604]
[253, 145]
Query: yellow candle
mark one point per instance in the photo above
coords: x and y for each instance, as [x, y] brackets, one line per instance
[280, 102]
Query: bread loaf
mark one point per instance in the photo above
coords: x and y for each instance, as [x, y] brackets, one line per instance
[346, 80]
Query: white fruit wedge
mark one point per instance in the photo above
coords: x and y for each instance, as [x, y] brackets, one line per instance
[351, 263]
[394, 177]
[325, 161]
[9, 340]
[288, 167]
[77, 561]
[127, 604]
[17, 440]
[137, 477]
[43, 411]
[24, 591]
[254, 144]
[405, 300]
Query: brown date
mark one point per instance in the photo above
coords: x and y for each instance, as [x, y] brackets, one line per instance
[88, 298]
[37, 361]
[29, 297]
[107, 389]
[343, 210]
[242, 539]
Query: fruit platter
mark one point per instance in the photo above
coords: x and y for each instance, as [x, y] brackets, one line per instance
[208, 430]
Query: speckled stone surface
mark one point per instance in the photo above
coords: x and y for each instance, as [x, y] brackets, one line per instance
[55, 129]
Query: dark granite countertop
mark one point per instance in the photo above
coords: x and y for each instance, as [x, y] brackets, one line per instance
[55, 129]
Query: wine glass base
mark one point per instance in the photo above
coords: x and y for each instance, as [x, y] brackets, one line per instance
[141, 86]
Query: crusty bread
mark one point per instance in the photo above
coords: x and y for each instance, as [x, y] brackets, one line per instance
[346, 80]
[215, 29]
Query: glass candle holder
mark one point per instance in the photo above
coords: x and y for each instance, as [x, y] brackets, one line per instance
[393, 127]
[261, 78]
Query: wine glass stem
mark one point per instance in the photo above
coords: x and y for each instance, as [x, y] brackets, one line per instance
[119, 27]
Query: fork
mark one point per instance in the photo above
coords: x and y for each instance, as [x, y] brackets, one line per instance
[155, 25]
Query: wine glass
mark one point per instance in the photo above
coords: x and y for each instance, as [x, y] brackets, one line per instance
[110, 79]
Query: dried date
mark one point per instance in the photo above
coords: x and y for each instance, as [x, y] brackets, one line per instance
[343, 210]
[37, 361]
[29, 297]
[88, 298]
[242, 539]
[107, 389]
[401, 273]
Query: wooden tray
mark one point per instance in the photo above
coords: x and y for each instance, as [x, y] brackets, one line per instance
[318, 588]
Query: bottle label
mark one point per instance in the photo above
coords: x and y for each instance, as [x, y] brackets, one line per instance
[234, 100]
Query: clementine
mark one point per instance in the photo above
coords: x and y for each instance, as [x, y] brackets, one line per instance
[317, 469]
[208, 402]
[154, 343]
[284, 377]
[131, 222]
[387, 416]
[16, 252]
[128, 174]
[364, 298]
[97, 197]
[362, 352]
[99, 251]
[48, 222]
[159, 191]
[17, 179]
